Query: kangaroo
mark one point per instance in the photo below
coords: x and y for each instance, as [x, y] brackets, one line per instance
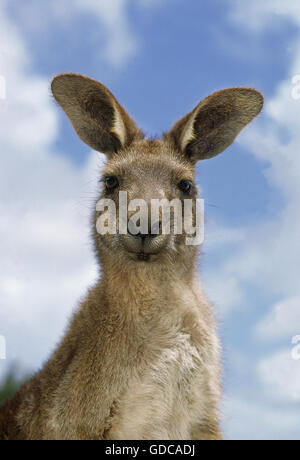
[141, 357]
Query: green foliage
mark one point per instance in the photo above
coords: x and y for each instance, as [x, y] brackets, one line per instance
[9, 386]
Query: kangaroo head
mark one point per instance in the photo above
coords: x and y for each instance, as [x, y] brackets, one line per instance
[149, 170]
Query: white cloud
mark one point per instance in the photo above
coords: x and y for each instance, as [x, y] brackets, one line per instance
[257, 14]
[283, 321]
[252, 419]
[280, 375]
[111, 34]
[224, 291]
[121, 43]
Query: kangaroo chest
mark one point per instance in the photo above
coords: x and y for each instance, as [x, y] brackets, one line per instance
[163, 401]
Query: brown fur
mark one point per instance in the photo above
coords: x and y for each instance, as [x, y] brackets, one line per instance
[140, 359]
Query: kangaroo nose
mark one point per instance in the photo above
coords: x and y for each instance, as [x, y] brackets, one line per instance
[152, 231]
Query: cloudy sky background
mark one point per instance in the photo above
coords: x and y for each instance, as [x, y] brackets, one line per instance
[159, 57]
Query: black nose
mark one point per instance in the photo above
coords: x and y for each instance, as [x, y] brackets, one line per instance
[152, 231]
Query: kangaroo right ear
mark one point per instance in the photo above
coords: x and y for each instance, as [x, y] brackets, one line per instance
[97, 117]
[214, 124]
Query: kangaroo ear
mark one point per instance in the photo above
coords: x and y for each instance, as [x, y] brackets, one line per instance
[97, 117]
[214, 124]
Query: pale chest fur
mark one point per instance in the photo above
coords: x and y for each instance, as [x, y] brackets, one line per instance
[166, 401]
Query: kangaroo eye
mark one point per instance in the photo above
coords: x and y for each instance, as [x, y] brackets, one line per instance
[185, 186]
[111, 182]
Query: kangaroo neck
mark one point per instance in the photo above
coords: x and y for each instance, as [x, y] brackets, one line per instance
[140, 287]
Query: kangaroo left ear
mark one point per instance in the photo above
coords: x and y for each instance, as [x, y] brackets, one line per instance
[215, 123]
[96, 115]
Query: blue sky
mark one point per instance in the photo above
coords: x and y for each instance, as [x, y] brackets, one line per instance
[159, 58]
